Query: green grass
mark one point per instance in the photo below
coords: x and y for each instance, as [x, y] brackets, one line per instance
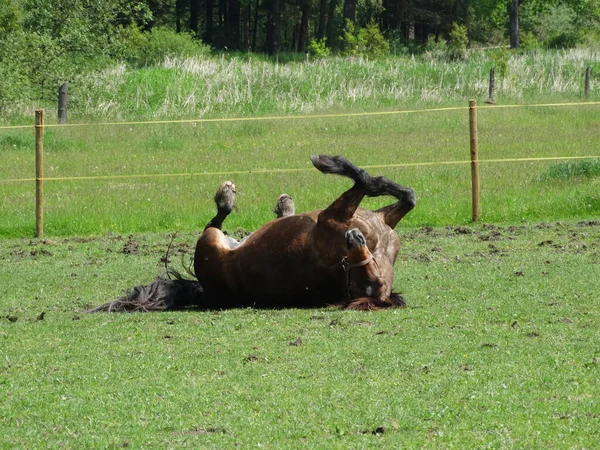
[497, 349]
[512, 192]
[588, 168]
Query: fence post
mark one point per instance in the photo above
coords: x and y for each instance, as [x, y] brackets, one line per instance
[474, 160]
[39, 173]
[63, 95]
[491, 96]
[587, 82]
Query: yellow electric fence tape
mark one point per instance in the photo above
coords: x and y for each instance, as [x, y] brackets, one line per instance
[315, 116]
[271, 118]
[273, 171]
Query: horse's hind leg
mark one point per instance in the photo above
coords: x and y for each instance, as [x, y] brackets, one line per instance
[392, 214]
[224, 199]
[365, 184]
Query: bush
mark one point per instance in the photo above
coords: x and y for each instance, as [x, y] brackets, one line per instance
[435, 50]
[366, 41]
[457, 47]
[528, 41]
[317, 48]
[149, 48]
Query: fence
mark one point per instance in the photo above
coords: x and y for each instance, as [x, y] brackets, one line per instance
[473, 160]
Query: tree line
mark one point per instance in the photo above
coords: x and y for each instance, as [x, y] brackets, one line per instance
[45, 43]
[289, 25]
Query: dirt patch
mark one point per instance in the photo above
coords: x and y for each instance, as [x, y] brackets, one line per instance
[131, 247]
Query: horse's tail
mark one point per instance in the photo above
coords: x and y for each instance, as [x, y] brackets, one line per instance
[170, 293]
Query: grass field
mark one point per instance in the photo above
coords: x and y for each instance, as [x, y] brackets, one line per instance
[497, 349]
[512, 192]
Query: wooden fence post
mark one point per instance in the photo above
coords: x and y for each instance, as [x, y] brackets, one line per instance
[63, 95]
[491, 96]
[587, 82]
[39, 173]
[474, 160]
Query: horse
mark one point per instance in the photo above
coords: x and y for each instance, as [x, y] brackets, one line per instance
[341, 256]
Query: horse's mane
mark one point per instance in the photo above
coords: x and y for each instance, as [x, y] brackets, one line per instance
[168, 292]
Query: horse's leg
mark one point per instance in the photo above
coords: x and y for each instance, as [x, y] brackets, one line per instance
[365, 184]
[344, 207]
[285, 206]
[224, 199]
[392, 214]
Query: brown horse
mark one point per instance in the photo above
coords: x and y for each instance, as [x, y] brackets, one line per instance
[341, 255]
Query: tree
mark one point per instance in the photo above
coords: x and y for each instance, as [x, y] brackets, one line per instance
[273, 27]
[513, 13]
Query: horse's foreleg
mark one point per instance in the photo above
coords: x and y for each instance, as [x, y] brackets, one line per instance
[224, 199]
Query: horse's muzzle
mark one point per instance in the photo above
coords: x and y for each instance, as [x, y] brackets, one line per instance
[354, 237]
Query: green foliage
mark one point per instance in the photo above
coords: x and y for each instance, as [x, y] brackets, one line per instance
[318, 49]
[9, 17]
[146, 49]
[500, 58]
[459, 40]
[528, 41]
[556, 27]
[367, 41]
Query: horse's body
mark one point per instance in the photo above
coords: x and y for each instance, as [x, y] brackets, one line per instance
[339, 255]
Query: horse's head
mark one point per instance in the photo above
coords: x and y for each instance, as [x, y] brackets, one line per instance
[364, 278]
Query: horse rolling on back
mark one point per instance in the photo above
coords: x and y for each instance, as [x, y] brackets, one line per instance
[342, 255]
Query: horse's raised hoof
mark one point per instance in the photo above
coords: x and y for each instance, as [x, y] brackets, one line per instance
[326, 163]
[285, 206]
[225, 197]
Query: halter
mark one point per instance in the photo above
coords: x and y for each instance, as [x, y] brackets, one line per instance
[347, 266]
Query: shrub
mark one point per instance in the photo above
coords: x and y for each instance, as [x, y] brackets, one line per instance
[368, 41]
[149, 48]
[457, 47]
[318, 48]
[435, 50]
[528, 41]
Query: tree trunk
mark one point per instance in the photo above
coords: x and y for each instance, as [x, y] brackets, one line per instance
[513, 13]
[179, 9]
[329, 31]
[322, 19]
[233, 25]
[255, 28]
[194, 16]
[209, 32]
[303, 31]
[274, 28]
[349, 11]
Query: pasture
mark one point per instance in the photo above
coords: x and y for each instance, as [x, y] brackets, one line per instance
[170, 171]
[498, 348]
